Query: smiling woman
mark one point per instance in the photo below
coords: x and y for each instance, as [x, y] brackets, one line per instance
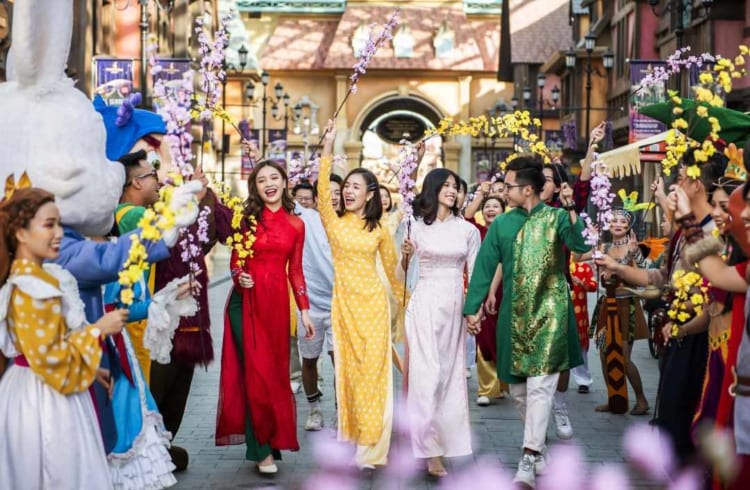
[256, 334]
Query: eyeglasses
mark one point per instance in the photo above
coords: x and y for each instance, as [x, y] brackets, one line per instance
[510, 186]
[152, 173]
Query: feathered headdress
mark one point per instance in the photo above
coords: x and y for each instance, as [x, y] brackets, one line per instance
[630, 201]
[11, 186]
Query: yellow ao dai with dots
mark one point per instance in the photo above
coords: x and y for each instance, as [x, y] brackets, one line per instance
[361, 325]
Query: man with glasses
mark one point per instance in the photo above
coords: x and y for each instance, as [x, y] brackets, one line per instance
[304, 194]
[536, 331]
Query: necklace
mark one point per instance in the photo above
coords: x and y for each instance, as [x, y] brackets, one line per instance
[620, 243]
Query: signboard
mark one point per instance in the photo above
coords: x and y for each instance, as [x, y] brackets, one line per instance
[641, 126]
[113, 79]
[276, 149]
[171, 73]
[553, 138]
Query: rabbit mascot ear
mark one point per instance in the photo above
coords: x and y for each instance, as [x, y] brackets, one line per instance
[48, 127]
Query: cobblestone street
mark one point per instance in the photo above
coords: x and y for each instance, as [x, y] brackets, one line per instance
[496, 429]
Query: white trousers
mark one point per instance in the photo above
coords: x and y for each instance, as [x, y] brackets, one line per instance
[534, 402]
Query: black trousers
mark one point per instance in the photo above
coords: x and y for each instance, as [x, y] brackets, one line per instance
[170, 386]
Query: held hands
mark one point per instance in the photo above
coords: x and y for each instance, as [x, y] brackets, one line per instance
[474, 323]
[308, 324]
[113, 322]
[329, 137]
[245, 280]
[189, 287]
[484, 188]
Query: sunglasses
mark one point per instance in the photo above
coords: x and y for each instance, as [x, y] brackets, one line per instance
[152, 173]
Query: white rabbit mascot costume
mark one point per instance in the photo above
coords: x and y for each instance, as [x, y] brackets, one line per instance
[51, 130]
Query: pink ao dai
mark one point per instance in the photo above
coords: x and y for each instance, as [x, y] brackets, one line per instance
[437, 399]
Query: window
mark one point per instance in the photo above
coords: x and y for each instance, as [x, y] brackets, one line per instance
[403, 42]
[445, 40]
[359, 39]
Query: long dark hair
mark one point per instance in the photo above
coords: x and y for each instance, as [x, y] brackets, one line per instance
[15, 214]
[426, 204]
[373, 207]
[390, 198]
[254, 204]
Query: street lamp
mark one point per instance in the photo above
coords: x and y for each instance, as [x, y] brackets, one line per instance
[275, 110]
[242, 55]
[526, 94]
[541, 78]
[608, 60]
[303, 126]
[514, 103]
[278, 97]
[677, 7]
[555, 95]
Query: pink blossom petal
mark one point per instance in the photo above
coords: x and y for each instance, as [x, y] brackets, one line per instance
[650, 450]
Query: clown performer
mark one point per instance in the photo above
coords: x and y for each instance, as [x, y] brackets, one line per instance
[50, 130]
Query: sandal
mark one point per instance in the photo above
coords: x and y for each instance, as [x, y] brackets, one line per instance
[604, 407]
[639, 410]
[437, 471]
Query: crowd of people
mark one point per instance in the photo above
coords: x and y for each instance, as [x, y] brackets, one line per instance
[331, 262]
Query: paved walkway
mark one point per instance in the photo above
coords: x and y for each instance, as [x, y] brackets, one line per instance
[497, 430]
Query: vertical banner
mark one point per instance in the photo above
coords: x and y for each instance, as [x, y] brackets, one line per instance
[170, 72]
[250, 152]
[553, 138]
[643, 126]
[276, 149]
[113, 79]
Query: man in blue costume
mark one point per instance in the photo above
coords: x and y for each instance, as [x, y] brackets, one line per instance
[96, 263]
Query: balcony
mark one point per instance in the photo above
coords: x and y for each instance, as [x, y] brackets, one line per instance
[482, 7]
[293, 6]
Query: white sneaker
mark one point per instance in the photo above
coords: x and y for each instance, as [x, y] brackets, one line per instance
[562, 422]
[483, 401]
[525, 473]
[314, 420]
[296, 387]
[540, 464]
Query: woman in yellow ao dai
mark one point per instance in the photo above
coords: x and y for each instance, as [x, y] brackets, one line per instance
[360, 311]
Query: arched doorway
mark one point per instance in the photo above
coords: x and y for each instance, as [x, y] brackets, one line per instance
[391, 120]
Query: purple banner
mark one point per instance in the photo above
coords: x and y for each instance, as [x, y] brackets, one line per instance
[554, 140]
[276, 148]
[171, 73]
[250, 152]
[113, 79]
[641, 126]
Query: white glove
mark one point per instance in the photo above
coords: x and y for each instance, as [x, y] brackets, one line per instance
[184, 205]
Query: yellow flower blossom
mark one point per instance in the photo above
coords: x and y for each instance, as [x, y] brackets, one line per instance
[701, 111]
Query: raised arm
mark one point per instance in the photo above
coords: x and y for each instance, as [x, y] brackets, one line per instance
[325, 204]
[476, 202]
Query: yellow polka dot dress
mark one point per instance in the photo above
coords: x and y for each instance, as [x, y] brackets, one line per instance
[49, 433]
[360, 316]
